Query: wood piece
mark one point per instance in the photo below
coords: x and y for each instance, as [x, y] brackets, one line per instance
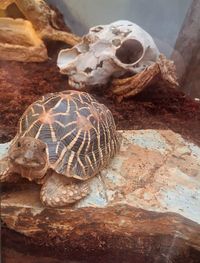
[163, 71]
[5, 3]
[43, 19]
[21, 40]
[18, 41]
[96, 230]
[187, 42]
[186, 53]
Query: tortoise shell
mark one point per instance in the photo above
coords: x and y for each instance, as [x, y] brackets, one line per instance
[79, 132]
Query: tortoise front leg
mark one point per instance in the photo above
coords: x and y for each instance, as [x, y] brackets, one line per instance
[59, 190]
[7, 173]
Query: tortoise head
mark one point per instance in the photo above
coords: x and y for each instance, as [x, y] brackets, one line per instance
[29, 156]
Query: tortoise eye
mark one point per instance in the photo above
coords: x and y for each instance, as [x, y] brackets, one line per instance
[18, 144]
[43, 149]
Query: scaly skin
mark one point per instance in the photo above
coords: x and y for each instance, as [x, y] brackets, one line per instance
[59, 190]
[7, 173]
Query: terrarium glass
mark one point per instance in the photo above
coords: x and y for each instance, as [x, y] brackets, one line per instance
[116, 180]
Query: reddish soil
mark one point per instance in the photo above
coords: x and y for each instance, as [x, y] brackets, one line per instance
[155, 107]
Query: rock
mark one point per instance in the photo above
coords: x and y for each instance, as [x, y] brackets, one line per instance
[94, 231]
[146, 202]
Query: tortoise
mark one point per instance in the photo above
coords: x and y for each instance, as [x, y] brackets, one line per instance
[63, 139]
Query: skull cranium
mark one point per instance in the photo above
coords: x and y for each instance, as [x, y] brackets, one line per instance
[108, 50]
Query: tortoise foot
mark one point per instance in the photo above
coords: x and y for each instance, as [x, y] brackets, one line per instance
[59, 191]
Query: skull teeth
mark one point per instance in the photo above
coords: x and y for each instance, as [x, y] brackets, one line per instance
[76, 85]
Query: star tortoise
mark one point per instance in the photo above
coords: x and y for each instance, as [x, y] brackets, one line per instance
[63, 139]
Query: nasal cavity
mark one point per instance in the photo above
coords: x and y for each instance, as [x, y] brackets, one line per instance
[130, 51]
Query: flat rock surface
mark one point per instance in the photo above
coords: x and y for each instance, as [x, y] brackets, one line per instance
[156, 170]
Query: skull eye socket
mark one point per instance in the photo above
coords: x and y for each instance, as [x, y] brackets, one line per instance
[130, 51]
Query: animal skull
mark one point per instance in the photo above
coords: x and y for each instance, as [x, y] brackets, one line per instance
[108, 50]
